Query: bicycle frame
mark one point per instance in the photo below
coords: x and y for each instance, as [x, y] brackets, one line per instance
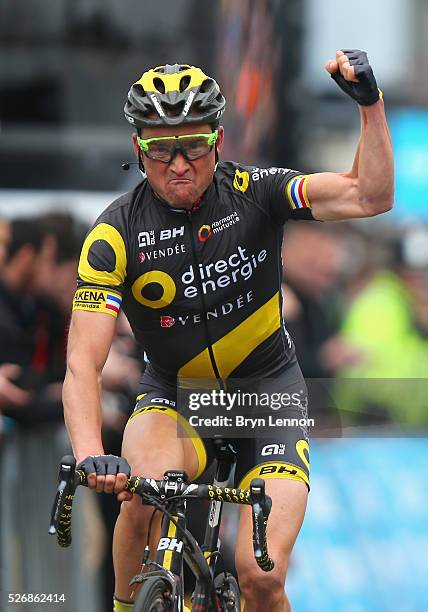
[224, 476]
[173, 547]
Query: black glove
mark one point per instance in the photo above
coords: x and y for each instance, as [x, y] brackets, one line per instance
[365, 92]
[104, 464]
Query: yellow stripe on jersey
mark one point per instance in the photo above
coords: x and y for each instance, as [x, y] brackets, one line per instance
[231, 350]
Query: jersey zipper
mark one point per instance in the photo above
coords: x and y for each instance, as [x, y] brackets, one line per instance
[204, 308]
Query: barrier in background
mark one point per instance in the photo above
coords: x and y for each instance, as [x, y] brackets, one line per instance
[30, 559]
[363, 546]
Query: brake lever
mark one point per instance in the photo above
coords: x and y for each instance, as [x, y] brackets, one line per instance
[261, 507]
[66, 478]
[258, 527]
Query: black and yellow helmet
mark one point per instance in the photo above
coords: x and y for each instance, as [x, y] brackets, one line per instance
[174, 94]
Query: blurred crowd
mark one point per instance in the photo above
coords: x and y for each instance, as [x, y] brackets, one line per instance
[355, 304]
[38, 265]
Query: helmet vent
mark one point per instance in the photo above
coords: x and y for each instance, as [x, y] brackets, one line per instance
[173, 110]
[184, 82]
[159, 84]
[206, 86]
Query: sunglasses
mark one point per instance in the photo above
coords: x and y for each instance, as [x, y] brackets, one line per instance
[192, 146]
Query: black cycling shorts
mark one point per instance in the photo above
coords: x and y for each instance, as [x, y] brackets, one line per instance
[282, 452]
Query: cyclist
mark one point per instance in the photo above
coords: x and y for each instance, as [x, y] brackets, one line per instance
[195, 235]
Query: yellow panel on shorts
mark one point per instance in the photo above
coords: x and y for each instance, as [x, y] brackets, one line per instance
[191, 432]
[272, 470]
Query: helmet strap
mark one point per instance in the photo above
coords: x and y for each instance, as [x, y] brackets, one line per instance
[140, 164]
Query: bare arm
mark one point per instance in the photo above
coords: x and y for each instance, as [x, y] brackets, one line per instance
[90, 338]
[89, 341]
[368, 189]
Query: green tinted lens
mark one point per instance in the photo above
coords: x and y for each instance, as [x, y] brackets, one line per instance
[192, 146]
[161, 149]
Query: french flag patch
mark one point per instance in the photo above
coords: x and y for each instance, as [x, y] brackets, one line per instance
[296, 191]
[113, 302]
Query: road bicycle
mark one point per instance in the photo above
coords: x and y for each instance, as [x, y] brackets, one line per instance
[162, 580]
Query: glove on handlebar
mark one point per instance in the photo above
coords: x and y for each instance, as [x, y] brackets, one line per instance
[365, 92]
[104, 464]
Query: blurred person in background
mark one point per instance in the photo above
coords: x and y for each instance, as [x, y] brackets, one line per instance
[388, 323]
[26, 247]
[10, 393]
[312, 302]
[313, 314]
[23, 245]
[37, 285]
[176, 111]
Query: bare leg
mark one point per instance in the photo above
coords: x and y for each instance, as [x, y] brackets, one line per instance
[151, 446]
[265, 590]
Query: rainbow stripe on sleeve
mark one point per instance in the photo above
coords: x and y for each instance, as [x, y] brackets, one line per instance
[296, 192]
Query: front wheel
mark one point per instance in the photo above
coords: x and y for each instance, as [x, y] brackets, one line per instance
[228, 593]
[154, 596]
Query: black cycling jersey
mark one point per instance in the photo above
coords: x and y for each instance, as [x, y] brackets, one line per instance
[201, 288]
